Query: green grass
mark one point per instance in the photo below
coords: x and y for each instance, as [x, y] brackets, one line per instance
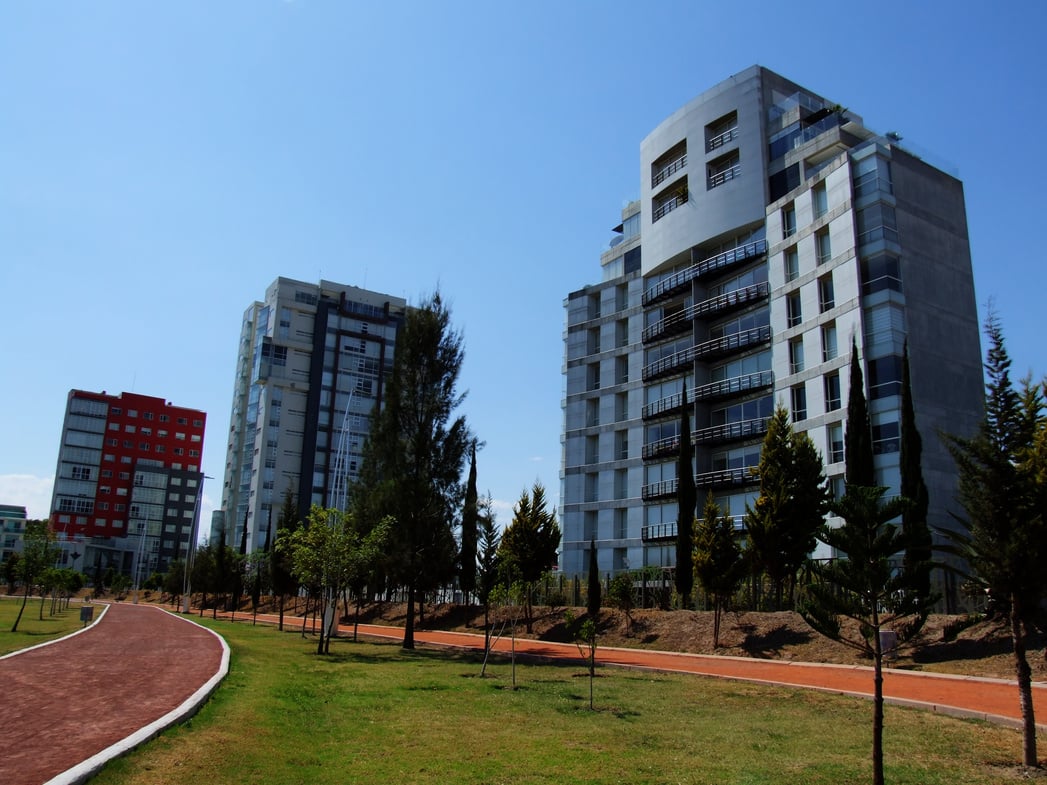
[31, 630]
[371, 713]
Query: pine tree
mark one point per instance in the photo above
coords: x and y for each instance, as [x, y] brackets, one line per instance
[862, 584]
[858, 449]
[1002, 491]
[470, 514]
[917, 562]
[593, 601]
[687, 500]
[718, 560]
[528, 546]
[413, 459]
[282, 579]
[486, 562]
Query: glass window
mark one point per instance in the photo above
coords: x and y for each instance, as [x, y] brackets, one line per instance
[799, 402]
[880, 273]
[823, 250]
[820, 200]
[826, 294]
[829, 347]
[792, 308]
[832, 392]
[792, 264]
[796, 355]
[886, 438]
[885, 377]
[789, 220]
[835, 441]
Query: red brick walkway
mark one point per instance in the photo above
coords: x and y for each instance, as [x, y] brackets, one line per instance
[69, 706]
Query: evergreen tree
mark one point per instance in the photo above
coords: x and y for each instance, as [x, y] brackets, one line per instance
[1002, 490]
[917, 561]
[528, 547]
[687, 500]
[487, 562]
[593, 599]
[718, 560]
[858, 449]
[470, 514]
[782, 524]
[413, 459]
[862, 584]
[283, 580]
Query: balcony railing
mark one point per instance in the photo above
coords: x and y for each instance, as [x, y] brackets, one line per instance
[720, 178]
[661, 532]
[721, 139]
[724, 388]
[667, 287]
[678, 322]
[669, 205]
[725, 478]
[669, 170]
[727, 432]
[729, 344]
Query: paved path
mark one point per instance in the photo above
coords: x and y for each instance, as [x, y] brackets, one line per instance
[70, 705]
[995, 700]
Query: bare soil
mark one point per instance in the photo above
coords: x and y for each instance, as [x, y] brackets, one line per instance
[969, 646]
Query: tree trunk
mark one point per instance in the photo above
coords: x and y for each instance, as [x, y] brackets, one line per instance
[1024, 676]
[877, 752]
[409, 621]
[281, 627]
[716, 620]
[25, 599]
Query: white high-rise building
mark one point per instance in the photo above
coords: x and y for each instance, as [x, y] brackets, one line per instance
[310, 371]
[776, 229]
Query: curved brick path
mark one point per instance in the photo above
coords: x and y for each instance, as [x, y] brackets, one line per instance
[995, 700]
[70, 705]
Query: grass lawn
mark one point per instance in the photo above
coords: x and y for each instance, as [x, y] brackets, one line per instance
[31, 630]
[372, 713]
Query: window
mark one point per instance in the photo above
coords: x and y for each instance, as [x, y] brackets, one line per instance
[621, 333]
[121, 491]
[198, 423]
[127, 444]
[820, 200]
[826, 294]
[822, 248]
[164, 418]
[621, 292]
[796, 355]
[143, 446]
[593, 377]
[194, 453]
[789, 220]
[592, 449]
[162, 434]
[621, 483]
[885, 377]
[116, 410]
[107, 473]
[589, 525]
[179, 451]
[112, 442]
[125, 475]
[146, 431]
[792, 264]
[81, 473]
[108, 457]
[723, 169]
[129, 429]
[621, 370]
[829, 347]
[195, 437]
[621, 524]
[835, 441]
[621, 407]
[881, 272]
[792, 308]
[799, 402]
[621, 445]
[147, 415]
[179, 436]
[886, 438]
[104, 489]
[592, 343]
[160, 448]
[114, 426]
[832, 392]
[592, 485]
[592, 412]
[183, 420]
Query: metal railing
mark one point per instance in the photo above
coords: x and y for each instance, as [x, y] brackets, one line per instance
[721, 139]
[677, 281]
[714, 305]
[726, 175]
[668, 206]
[669, 170]
[724, 478]
[667, 531]
[715, 433]
[724, 388]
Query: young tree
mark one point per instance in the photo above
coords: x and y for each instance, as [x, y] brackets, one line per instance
[470, 514]
[782, 524]
[918, 554]
[863, 585]
[621, 594]
[528, 547]
[718, 560]
[592, 605]
[687, 501]
[282, 578]
[487, 563]
[38, 553]
[413, 459]
[1003, 469]
[857, 438]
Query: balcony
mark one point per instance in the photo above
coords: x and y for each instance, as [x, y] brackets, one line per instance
[678, 282]
[729, 344]
[666, 532]
[663, 208]
[724, 478]
[724, 176]
[715, 434]
[668, 170]
[720, 140]
[725, 388]
[716, 306]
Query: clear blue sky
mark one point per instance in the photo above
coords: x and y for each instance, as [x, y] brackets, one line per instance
[161, 163]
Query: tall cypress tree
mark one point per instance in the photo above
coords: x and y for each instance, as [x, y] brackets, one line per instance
[687, 499]
[858, 450]
[593, 603]
[470, 515]
[914, 516]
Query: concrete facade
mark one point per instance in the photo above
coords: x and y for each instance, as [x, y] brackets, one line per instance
[776, 230]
